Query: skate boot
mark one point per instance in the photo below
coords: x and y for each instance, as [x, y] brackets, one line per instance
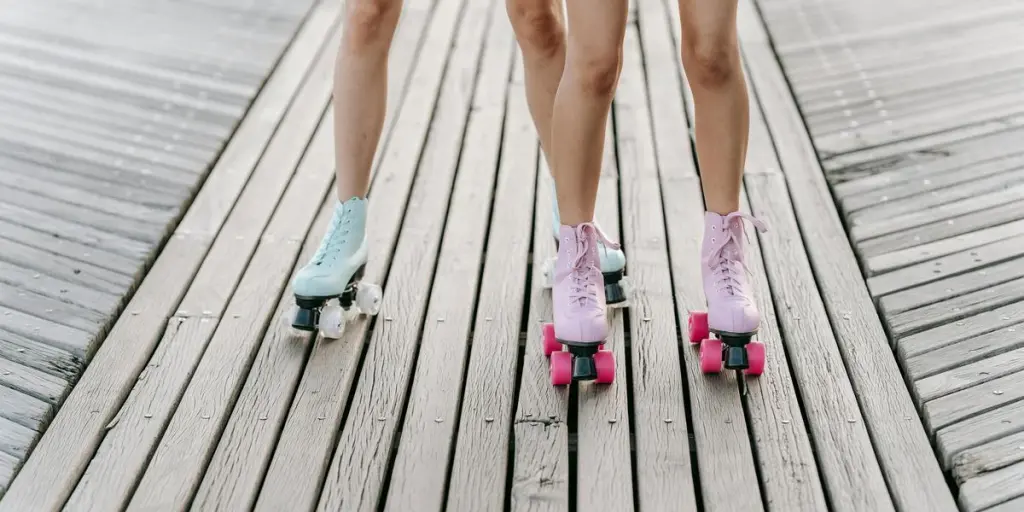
[328, 291]
[617, 287]
[575, 340]
[732, 313]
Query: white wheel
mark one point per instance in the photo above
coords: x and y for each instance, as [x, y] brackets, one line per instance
[547, 270]
[287, 317]
[332, 321]
[368, 297]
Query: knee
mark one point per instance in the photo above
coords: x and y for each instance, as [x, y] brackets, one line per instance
[597, 72]
[711, 58]
[371, 22]
[538, 25]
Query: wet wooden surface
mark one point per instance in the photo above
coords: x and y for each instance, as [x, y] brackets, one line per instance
[915, 110]
[202, 396]
[112, 115]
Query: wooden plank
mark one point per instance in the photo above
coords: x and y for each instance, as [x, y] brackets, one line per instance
[59, 311]
[1013, 505]
[942, 230]
[15, 439]
[950, 287]
[25, 410]
[988, 457]
[902, 447]
[481, 458]
[8, 466]
[188, 376]
[896, 260]
[75, 341]
[76, 272]
[979, 430]
[49, 476]
[970, 304]
[40, 356]
[311, 430]
[32, 382]
[419, 472]
[954, 264]
[240, 461]
[359, 466]
[948, 334]
[540, 465]
[976, 400]
[30, 281]
[993, 488]
[79, 233]
[997, 363]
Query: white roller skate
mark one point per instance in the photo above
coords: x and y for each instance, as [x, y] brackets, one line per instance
[617, 287]
[328, 290]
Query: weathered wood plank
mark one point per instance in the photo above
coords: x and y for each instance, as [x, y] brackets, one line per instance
[21, 280]
[942, 230]
[41, 356]
[8, 465]
[967, 352]
[15, 439]
[970, 304]
[27, 411]
[90, 236]
[75, 341]
[32, 382]
[359, 466]
[979, 430]
[311, 429]
[419, 471]
[77, 272]
[1013, 505]
[993, 488]
[988, 457]
[899, 259]
[975, 400]
[954, 264]
[951, 287]
[902, 447]
[49, 476]
[948, 334]
[56, 310]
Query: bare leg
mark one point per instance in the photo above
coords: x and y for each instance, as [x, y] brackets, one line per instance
[360, 91]
[712, 62]
[580, 114]
[540, 30]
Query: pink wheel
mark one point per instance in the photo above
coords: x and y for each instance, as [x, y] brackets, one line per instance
[698, 326]
[551, 343]
[755, 355]
[561, 368]
[711, 356]
[604, 360]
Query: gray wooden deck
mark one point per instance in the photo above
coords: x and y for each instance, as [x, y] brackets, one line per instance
[918, 116]
[202, 398]
[111, 114]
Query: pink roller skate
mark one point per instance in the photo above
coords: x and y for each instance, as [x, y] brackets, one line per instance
[732, 313]
[575, 341]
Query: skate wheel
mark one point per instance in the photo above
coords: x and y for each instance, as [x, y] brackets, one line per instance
[711, 356]
[551, 344]
[547, 272]
[368, 296]
[604, 361]
[698, 326]
[618, 295]
[561, 368]
[332, 321]
[755, 358]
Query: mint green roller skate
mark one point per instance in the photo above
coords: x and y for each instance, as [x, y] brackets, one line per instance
[617, 287]
[329, 290]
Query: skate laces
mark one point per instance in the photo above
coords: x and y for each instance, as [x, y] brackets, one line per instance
[336, 235]
[725, 257]
[583, 266]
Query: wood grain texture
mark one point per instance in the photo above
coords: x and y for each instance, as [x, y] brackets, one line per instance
[902, 447]
[993, 488]
[998, 362]
[419, 472]
[23, 409]
[44, 483]
[40, 356]
[355, 480]
[480, 463]
[988, 457]
[897, 259]
[978, 430]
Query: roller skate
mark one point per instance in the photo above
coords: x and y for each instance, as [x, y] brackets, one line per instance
[575, 340]
[328, 290]
[617, 288]
[732, 314]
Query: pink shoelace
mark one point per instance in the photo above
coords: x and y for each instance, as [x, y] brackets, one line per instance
[725, 259]
[581, 285]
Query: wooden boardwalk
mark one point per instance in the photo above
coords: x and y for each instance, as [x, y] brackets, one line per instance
[919, 120]
[111, 114]
[202, 397]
